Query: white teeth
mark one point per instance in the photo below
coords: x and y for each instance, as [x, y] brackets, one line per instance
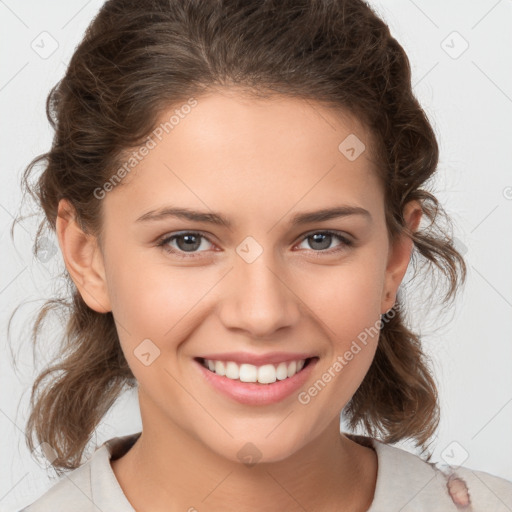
[219, 368]
[282, 371]
[266, 374]
[292, 369]
[248, 373]
[232, 370]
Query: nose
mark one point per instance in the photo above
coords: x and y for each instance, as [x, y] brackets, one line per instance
[259, 298]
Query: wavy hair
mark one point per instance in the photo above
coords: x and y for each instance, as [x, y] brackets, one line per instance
[136, 58]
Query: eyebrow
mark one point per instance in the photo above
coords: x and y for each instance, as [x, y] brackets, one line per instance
[220, 220]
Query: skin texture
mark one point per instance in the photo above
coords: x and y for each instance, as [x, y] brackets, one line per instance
[258, 162]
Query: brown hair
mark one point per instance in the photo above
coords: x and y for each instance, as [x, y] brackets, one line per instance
[137, 58]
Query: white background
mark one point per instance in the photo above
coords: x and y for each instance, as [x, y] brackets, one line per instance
[469, 102]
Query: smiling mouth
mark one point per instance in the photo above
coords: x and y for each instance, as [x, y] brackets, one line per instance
[264, 374]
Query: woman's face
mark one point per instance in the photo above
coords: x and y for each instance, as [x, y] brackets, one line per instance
[268, 285]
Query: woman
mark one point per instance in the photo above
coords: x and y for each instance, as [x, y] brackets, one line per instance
[236, 187]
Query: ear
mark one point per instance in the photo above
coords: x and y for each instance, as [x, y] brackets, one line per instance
[83, 259]
[399, 256]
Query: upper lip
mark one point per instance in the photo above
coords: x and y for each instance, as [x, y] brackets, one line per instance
[259, 359]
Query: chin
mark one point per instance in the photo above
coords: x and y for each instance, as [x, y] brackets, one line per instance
[258, 450]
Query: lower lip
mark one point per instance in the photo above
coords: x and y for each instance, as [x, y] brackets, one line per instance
[253, 393]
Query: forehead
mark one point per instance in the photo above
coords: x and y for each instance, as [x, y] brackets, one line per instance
[233, 149]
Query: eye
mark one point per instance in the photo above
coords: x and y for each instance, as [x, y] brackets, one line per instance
[187, 242]
[190, 241]
[322, 240]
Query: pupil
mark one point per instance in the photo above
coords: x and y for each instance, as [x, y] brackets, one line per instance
[190, 243]
[318, 238]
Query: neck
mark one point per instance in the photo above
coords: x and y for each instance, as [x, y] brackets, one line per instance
[169, 470]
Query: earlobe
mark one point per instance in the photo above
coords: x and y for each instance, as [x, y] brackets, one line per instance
[83, 259]
[400, 256]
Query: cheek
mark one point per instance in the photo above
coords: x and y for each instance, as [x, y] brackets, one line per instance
[346, 301]
[148, 298]
[160, 304]
[150, 313]
[346, 297]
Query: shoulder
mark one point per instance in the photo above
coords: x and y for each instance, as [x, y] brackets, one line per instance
[71, 492]
[90, 487]
[408, 483]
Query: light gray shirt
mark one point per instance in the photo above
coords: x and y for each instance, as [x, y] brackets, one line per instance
[405, 483]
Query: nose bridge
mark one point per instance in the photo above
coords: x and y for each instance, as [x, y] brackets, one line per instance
[260, 301]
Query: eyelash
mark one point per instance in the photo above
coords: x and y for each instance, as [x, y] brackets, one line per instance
[163, 243]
